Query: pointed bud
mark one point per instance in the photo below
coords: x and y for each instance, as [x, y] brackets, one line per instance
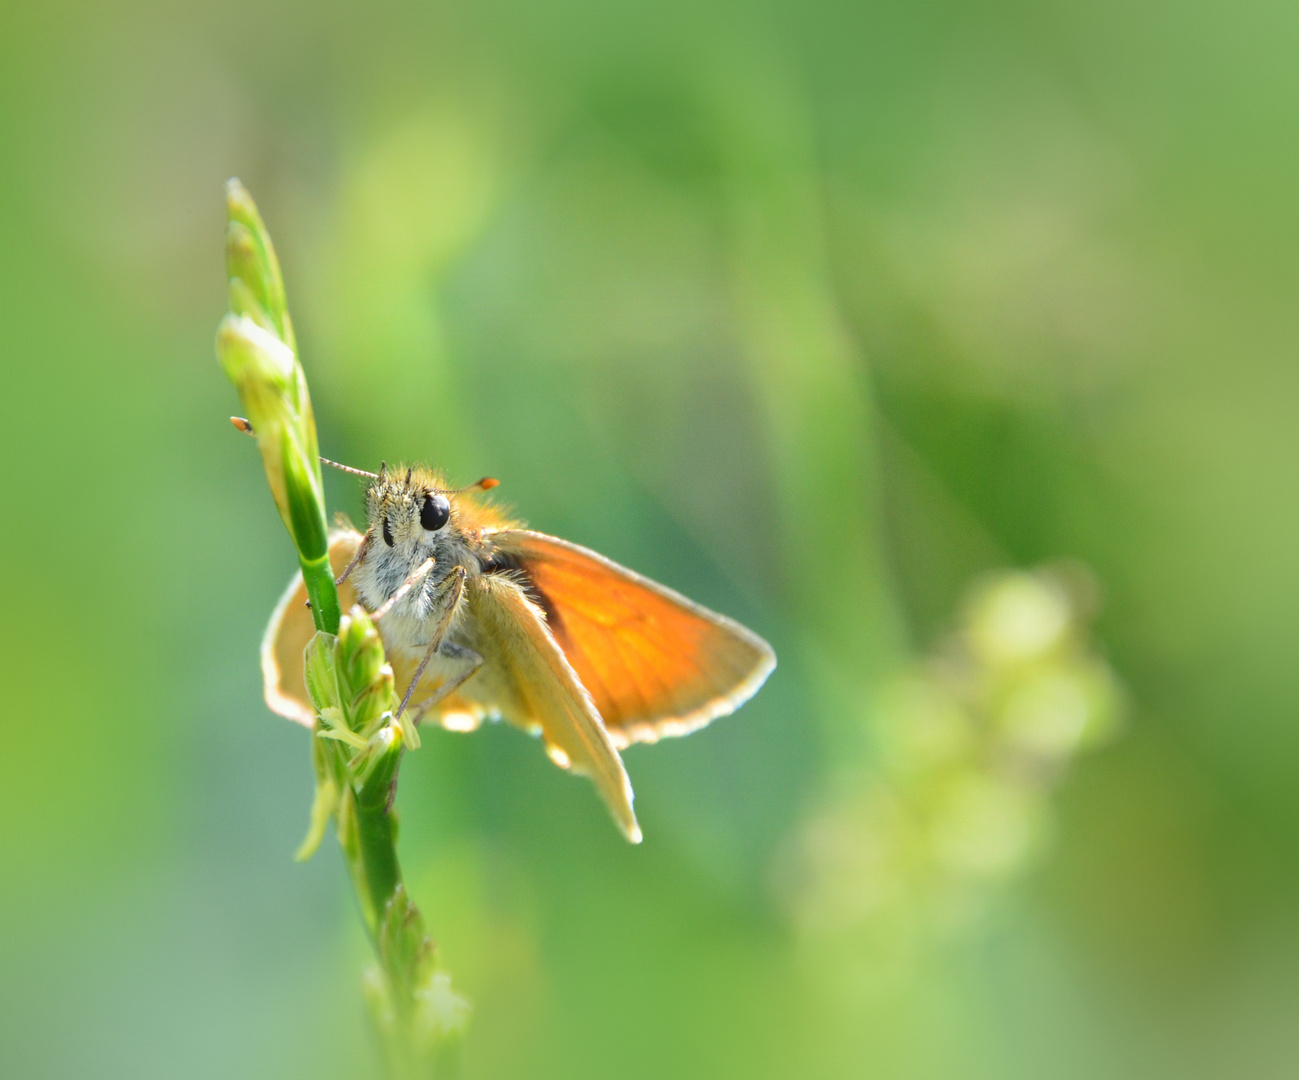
[251, 259]
[254, 355]
[318, 671]
[374, 776]
[265, 372]
[243, 302]
[358, 658]
[370, 705]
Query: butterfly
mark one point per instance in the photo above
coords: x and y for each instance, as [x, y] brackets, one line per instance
[482, 618]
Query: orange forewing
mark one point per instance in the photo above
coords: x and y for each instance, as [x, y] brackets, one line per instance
[654, 663]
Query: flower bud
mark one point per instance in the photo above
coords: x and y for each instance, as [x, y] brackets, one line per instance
[374, 701]
[318, 671]
[251, 260]
[358, 656]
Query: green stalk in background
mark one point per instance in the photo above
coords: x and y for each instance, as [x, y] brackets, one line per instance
[358, 745]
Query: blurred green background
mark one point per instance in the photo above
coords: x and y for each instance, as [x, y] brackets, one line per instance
[813, 311]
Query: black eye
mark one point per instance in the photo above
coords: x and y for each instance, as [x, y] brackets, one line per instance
[387, 532]
[435, 512]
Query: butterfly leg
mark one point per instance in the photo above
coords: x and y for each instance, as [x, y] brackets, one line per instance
[471, 662]
[414, 579]
[447, 598]
[360, 551]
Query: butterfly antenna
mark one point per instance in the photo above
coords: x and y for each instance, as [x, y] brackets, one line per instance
[349, 469]
[243, 425]
[485, 484]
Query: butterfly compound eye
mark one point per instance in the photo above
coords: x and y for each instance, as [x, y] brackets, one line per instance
[435, 512]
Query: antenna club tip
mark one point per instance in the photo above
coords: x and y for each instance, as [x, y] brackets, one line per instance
[488, 482]
[242, 425]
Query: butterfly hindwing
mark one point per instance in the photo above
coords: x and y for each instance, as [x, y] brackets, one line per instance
[535, 686]
[289, 630]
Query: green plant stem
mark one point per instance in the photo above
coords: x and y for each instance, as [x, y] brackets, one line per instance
[379, 873]
[376, 872]
[415, 1012]
[318, 577]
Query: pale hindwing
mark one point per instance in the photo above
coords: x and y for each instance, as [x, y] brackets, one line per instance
[654, 662]
[539, 688]
[290, 629]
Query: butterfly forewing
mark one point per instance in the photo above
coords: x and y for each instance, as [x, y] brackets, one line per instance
[654, 663]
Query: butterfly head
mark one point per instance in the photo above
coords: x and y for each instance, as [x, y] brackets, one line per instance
[413, 516]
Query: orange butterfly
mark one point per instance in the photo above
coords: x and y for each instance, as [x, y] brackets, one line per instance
[482, 618]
